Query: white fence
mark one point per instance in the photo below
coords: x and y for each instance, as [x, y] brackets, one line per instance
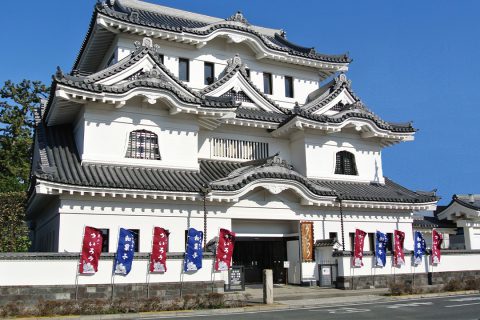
[451, 260]
[32, 269]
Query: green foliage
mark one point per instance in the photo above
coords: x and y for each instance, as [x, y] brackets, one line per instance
[13, 229]
[46, 308]
[17, 104]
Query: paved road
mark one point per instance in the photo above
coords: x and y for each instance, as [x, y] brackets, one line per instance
[465, 307]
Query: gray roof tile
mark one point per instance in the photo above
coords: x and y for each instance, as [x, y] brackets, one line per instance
[65, 167]
[177, 24]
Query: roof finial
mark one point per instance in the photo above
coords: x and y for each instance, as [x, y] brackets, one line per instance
[471, 198]
[238, 17]
[59, 73]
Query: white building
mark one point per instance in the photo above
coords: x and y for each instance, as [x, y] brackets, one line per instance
[166, 111]
[464, 211]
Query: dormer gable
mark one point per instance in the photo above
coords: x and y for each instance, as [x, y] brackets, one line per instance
[331, 97]
[235, 83]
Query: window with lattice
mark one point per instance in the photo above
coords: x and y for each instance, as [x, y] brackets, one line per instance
[345, 163]
[143, 144]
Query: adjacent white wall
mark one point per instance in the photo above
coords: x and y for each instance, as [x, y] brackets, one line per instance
[45, 271]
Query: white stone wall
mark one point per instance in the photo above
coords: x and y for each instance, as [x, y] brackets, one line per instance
[448, 262]
[258, 214]
[44, 271]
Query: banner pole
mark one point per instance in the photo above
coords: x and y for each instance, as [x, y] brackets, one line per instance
[148, 264]
[114, 265]
[212, 275]
[78, 264]
[182, 269]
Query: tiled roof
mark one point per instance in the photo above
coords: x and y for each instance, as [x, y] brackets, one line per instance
[469, 201]
[433, 222]
[168, 22]
[239, 68]
[352, 112]
[89, 83]
[64, 166]
[260, 115]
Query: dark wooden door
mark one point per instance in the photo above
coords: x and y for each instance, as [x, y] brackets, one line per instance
[256, 255]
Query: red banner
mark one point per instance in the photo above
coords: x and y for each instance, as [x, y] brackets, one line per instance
[158, 258]
[358, 248]
[437, 240]
[91, 249]
[226, 241]
[398, 254]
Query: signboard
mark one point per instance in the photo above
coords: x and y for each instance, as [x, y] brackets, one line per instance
[236, 279]
[286, 264]
[306, 230]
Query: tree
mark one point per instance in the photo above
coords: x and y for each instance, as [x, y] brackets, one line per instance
[14, 231]
[17, 105]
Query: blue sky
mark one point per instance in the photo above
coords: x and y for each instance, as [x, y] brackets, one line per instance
[413, 61]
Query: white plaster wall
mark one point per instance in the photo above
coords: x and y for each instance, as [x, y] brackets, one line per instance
[63, 272]
[297, 149]
[219, 51]
[114, 214]
[320, 157]
[107, 130]
[258, 213]
[450, 262]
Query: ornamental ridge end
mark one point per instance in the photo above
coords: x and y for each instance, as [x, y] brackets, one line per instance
[238, 17]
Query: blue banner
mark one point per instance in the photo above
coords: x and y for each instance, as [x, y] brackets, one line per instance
[193, 251]
[381, 249]
[419, 247]
[125, 250]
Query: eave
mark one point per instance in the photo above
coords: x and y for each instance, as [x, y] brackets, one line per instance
[366, 128]
[47, 188]
[233, 36]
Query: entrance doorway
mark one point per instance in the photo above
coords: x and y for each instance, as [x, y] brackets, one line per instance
[256, 254]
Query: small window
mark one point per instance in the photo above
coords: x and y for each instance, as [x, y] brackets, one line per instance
[183, 69]
[267, 83]
[390, 242]
[371, 241]
[288, 87]
[105, 239]
[209, 71]
[332, 235]
[345, 163]
[161, 58]
[136, 238]
[352, 241]
[247, 71]
[143, 144]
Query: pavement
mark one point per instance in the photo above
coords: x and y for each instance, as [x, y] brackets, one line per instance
[295, 302]
[298, 295]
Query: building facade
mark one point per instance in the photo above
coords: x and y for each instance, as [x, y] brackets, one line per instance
[176, 119]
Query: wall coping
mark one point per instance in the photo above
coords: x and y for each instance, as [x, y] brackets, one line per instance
[76, 255]
[407, 252]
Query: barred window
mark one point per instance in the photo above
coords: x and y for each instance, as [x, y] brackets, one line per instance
[239, 149]
[143, 144]
[345, 163]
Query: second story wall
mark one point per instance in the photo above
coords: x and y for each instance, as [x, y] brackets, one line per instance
[322, 157]
[107, 133]
[218, 51]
